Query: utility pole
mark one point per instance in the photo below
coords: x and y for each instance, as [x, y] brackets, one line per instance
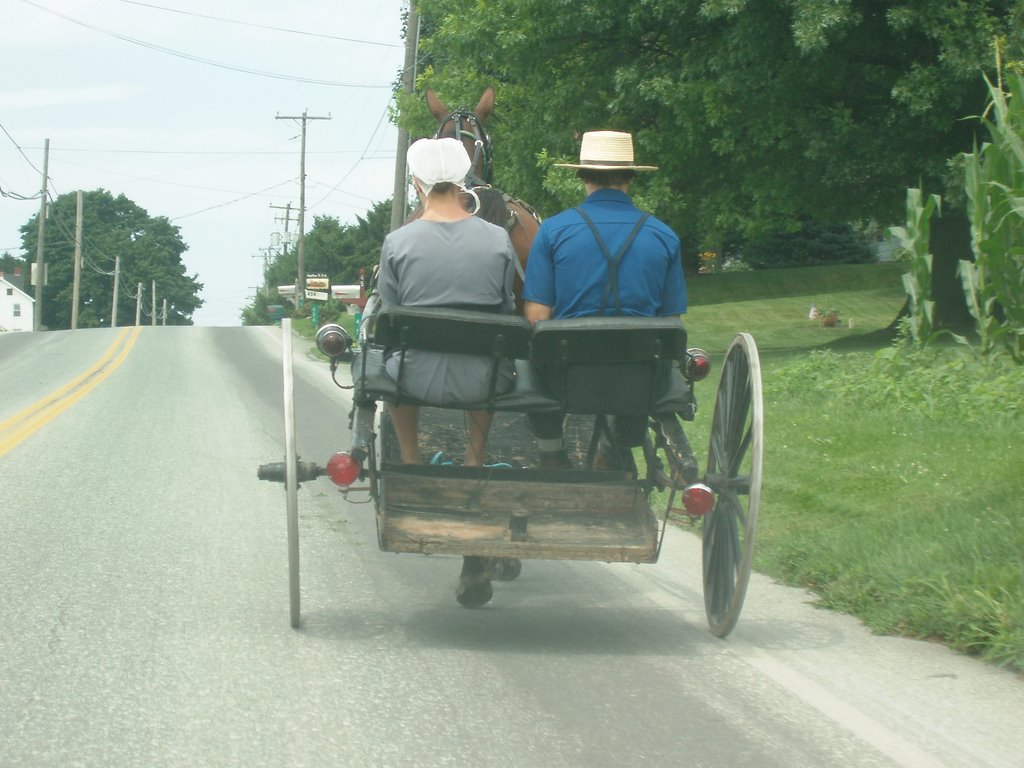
[153, 323]
[265, 254]
[163, 314]
[286, 240]
[300, 288]
[37, 314]
[117, 280]
[398, 201]
[78, 260]
[138, 303]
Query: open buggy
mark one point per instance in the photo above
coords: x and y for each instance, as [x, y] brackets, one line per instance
[512, 509]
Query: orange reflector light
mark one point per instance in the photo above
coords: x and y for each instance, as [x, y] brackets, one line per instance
[698, 499]
[698, 364]
[343, 469]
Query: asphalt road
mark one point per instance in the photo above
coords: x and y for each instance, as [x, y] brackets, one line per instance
[144, 609]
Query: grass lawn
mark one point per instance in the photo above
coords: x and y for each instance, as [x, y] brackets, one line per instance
[894, 492]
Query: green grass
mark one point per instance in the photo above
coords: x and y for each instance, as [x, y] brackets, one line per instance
[867, 296]
[892, 488]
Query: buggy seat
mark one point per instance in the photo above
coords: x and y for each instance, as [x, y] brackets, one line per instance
[597, 365]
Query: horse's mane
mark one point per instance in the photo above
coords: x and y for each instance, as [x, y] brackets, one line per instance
[492, 206]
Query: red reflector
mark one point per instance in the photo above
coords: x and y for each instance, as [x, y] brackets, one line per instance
[698, 364]
[343, 469]
[698, 499]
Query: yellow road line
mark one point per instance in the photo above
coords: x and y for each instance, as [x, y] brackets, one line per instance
[18, 427]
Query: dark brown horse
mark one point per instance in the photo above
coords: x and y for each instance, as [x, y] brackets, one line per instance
[521, 222]
[498, 207]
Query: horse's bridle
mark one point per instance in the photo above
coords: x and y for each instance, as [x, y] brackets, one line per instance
[466, 125]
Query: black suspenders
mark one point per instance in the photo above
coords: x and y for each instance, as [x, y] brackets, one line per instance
[613, 261]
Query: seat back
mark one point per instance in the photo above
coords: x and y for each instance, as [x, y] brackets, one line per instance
[609, 365]
[462, 331]
[451, 331]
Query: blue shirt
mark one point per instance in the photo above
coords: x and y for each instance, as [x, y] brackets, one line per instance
[567, 271]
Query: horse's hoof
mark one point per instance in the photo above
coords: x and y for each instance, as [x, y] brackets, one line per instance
[507, 568]
[474, 590]
[474, 593]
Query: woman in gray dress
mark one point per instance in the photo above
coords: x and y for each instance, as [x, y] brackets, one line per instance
[449, 258]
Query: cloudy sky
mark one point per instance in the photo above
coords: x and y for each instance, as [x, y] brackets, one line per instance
[175, 104]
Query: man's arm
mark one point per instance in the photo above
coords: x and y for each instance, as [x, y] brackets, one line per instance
[533, 311]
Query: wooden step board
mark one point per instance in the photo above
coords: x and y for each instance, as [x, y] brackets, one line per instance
[516, 513]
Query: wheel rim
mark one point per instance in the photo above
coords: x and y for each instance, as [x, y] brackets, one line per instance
[734, 474]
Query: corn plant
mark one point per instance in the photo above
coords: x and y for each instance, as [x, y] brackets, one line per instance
[913, 240]
[994, 182]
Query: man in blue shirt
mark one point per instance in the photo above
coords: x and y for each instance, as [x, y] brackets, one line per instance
[605, 257]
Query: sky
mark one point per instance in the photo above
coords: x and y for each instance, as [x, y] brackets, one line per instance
[183, 106]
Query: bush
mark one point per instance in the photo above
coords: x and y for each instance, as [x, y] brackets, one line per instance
[812, 245]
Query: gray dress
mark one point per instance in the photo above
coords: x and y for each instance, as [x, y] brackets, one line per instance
[465, 264]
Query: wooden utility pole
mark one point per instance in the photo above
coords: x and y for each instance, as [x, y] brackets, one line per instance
[398, 201]
[37, 314]
[163, 315]
[153, 318]
[138, 303]
[78, 260]
[117, 280]
[285, 241]
[300, 288]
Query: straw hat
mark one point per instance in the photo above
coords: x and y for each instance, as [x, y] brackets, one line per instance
[607, 151]
[433, 161]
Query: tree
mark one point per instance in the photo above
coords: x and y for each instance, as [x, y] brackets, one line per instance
[759, 112]
[331, 248]
[762, 114]
[149, 249]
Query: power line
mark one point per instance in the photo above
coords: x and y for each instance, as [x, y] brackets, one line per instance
[15, 195]
[226, 152]
[230, 202]
[262, 26]
[201, 60]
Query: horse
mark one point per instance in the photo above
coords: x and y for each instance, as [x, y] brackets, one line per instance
[521, 222]
[498, 207]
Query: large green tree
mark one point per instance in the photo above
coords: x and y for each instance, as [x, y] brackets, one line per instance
[331, 248]
[758, 111]
[761, 113]
[149, 249]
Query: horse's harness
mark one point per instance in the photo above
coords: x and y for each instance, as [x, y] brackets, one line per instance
[466, 125]
[462, 125]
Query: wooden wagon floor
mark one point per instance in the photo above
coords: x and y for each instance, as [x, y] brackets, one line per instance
[513, 511]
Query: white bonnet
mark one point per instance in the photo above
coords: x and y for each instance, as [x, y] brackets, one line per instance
[433, 161]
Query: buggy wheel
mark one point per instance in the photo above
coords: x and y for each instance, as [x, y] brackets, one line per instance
[291, 484]
[734, 474]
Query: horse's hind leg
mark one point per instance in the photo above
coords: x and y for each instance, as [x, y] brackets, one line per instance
[474, 590]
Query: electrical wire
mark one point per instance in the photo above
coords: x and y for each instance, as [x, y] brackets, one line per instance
[262, 26]
[15, 195]
[362, 157]
[201, 60]
[231, 202]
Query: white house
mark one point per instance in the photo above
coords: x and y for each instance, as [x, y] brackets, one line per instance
[16, 307]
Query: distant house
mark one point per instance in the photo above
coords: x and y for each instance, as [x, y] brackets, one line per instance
[17, 308]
